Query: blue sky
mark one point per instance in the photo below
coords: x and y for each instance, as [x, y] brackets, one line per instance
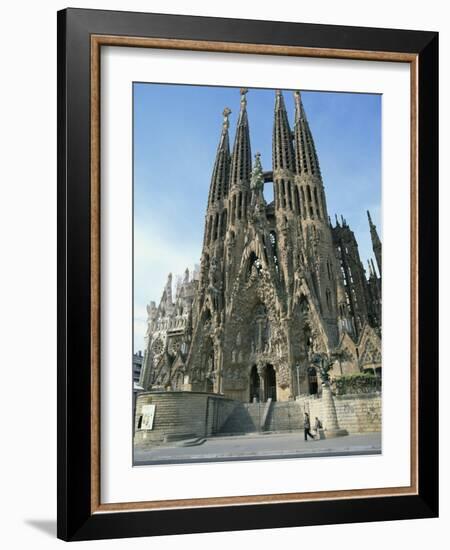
[176, 132]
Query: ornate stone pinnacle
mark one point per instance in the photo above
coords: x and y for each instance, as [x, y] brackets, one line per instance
[243, 92]
[226, 113]
[257, 178]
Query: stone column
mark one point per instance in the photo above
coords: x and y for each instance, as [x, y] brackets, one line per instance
[262, 390]
[218, 359]
[330, 421]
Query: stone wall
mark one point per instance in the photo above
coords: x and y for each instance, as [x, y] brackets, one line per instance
[181, 415]
[355, 413]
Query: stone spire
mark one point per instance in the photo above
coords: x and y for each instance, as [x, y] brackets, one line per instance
[241, 161]
[306, 160]
[282, 150]
[376, 243]
[373, 268]
[220, 175]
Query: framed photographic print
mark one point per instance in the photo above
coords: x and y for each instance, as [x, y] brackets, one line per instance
[247, 274]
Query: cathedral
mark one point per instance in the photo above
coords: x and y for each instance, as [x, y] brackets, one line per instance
[277, 284]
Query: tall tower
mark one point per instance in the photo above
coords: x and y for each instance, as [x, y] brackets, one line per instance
[353, 274]
[216, 213]
[239, 191]
[376, 243]
[241, 168]
[319, 249]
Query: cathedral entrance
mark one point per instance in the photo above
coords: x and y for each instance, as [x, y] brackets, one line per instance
[254, 384]
[312, 380]
[264, 386]
[270, 383]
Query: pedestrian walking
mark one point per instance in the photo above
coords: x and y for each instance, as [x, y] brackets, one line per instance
[317, 427]
[307, 427]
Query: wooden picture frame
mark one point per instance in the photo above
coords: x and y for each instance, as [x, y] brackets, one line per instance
[81, 35]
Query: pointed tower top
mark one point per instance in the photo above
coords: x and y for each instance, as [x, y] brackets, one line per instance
[243, 92]
[219, 179]
[373, 268]
[282, 150]
[376, 242]
[241, 162]
[306, 159]
[279, 100]
[226, 123]
[337, 221]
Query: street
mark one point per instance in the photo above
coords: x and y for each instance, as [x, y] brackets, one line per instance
[260, 447]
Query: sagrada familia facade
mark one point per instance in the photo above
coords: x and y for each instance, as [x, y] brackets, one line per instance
[277, 284]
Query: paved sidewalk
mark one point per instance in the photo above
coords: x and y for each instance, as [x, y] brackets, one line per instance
[261, 447]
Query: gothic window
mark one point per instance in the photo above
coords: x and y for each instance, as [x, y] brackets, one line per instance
[308, 191]
[216, 223]
[283, 195]
[328, 296]
[265, 250]
[224, 223]
[239, 206]
[157, 346]
[289, 195]
[315, 197]
[208, 240]
[297, 200]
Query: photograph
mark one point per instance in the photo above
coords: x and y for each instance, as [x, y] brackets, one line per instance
[257, 274]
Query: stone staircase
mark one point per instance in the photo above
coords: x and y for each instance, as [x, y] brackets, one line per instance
[284, 416]
[264, 417]
[245, 418]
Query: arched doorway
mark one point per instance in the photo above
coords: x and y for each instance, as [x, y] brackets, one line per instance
[254, 384]
[270, 383]
[312, 380]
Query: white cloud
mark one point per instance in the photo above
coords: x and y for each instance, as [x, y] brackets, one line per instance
[155, 256]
